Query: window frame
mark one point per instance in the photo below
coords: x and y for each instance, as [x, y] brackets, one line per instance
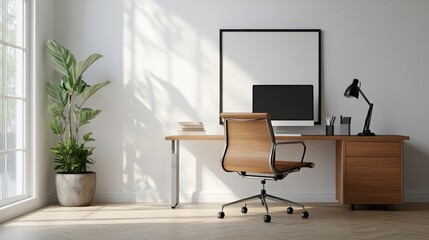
[27, 100]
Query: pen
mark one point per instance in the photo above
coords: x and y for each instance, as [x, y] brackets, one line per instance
[330, 120]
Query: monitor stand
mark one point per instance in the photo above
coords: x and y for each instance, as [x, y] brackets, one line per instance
[284, 131]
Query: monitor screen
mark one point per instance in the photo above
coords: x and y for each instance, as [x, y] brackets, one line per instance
[288, 105]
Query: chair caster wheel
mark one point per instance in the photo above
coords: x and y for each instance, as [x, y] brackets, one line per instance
[221, 215]
[304, 214]
[244, 210]
[267, 218]
[289, 210]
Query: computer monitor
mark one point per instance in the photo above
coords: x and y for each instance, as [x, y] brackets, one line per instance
[288, 105]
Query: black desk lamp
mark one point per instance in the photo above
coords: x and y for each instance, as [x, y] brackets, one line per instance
[353, 91]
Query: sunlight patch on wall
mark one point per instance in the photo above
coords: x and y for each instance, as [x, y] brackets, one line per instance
[199, 178]
[169, 64]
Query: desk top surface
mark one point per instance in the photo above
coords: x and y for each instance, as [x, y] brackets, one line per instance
[303, 137]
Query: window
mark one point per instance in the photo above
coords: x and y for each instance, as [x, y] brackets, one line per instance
[13, 102]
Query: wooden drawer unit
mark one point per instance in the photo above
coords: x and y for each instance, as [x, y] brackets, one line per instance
[370, 172]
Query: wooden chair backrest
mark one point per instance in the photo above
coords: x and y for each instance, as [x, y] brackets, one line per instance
[249, 141]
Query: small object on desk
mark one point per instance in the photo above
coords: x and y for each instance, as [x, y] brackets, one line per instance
[329, 130]
[330, 125]
[191, 128]
[345, 125]
[330, 120]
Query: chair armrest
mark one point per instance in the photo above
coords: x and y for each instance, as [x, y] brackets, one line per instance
[293, 142]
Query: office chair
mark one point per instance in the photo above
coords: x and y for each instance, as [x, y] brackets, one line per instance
[250, 150]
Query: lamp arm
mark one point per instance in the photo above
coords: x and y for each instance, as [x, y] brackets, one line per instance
[366, 130]
[364, 97]
[368, 120]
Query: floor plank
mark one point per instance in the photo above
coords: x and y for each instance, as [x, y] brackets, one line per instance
[199, 221]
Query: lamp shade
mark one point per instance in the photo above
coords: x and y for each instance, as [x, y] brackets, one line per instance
[353, 89]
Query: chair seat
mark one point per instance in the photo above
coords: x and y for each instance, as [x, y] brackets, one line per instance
[287, 166]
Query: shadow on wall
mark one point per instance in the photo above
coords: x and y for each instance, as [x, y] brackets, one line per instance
[415, 184]
[145, 165]
[151, 98]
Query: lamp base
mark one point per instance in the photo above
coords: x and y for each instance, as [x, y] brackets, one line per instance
[366, 133]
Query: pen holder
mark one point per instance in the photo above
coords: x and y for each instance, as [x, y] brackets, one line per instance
[329, 130]
[344, 129]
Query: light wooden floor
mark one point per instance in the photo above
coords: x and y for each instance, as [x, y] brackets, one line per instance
[199, 221]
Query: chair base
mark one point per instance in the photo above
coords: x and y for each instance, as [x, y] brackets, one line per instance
[263, 196]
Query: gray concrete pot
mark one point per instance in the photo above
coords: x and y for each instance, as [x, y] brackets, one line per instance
[74, 190]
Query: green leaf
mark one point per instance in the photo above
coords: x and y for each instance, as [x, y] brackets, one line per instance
[87, 137]
[90, 90]
[61, 56]
[57, 127]
[55, 92]
[68, 83]
[80, 86]
[83, 65]
[57, 110]
[84, 115]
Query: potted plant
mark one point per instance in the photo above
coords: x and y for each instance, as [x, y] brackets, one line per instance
[75, 185]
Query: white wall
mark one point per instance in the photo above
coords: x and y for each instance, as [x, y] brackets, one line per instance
[163, 60]
[42, 71]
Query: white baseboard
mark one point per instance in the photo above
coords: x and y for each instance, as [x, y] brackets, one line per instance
[25, 206]
[124, 198]
[416, 198]
[232, 197]
[201, 198]
[206, 198]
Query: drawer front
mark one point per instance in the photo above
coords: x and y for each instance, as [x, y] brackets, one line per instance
[374, 149]
[374, 180]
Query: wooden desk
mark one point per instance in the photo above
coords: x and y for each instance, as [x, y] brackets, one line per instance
[369, 169]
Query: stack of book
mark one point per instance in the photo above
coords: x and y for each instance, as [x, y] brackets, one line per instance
[191, 128]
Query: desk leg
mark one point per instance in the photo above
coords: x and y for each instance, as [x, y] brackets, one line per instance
[174, 173]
